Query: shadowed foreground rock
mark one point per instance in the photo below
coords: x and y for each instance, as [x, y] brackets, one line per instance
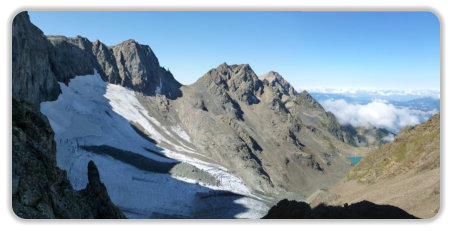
[96, 196]
[286, 209]
[39, 188]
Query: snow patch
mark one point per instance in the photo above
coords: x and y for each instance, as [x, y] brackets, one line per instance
[92, 112]
[181, 133]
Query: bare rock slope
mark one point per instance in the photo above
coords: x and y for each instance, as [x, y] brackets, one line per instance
[262, 130]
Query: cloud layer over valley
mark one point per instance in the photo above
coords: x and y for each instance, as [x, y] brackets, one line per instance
[389, 94]
[379, 113]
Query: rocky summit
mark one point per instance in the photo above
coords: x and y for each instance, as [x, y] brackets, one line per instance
[282, 141]
[128, 64]
[275, 80]
[40, 62]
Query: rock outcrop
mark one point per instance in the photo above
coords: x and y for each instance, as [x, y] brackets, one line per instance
[39, 188]
[286, 209]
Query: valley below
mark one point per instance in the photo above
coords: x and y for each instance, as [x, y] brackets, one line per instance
[120, 134]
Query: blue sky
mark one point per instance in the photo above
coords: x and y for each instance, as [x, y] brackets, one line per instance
[383, 50]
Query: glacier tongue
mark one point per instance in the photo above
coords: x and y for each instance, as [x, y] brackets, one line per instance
[93, 113]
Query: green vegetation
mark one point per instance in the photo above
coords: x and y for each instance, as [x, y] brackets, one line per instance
[412, 145]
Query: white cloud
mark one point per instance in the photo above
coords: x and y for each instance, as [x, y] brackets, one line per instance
[388, 138]
[352, 92]
[378, 113]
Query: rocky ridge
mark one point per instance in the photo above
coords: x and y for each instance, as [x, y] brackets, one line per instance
[40, 61]
[128, 64]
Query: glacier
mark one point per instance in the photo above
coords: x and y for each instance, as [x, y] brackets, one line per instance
[91, 114]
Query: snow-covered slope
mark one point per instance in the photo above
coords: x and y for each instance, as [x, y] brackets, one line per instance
[92, 121]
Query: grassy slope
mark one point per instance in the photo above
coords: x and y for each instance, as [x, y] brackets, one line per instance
[404, 173]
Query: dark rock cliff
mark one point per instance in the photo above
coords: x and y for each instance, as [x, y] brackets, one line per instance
[33, 79]
[39, 188]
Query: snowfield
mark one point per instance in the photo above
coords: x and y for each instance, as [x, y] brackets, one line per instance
[92, 113]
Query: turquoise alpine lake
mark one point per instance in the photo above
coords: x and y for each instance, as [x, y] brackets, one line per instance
[355, 159]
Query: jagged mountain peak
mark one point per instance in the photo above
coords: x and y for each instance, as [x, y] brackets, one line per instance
[275, 80]
[305, 97]
[133, 44]
[140, 69]
[238, 79]
[226, 75]
[82, 38]
[99, 43]
[271, 76]
[233, 68]
[131, 41]
[129, 63]
[224, 64]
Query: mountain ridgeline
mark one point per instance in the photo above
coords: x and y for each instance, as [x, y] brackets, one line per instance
[40, 62]
[276, 134]
[279, 143]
